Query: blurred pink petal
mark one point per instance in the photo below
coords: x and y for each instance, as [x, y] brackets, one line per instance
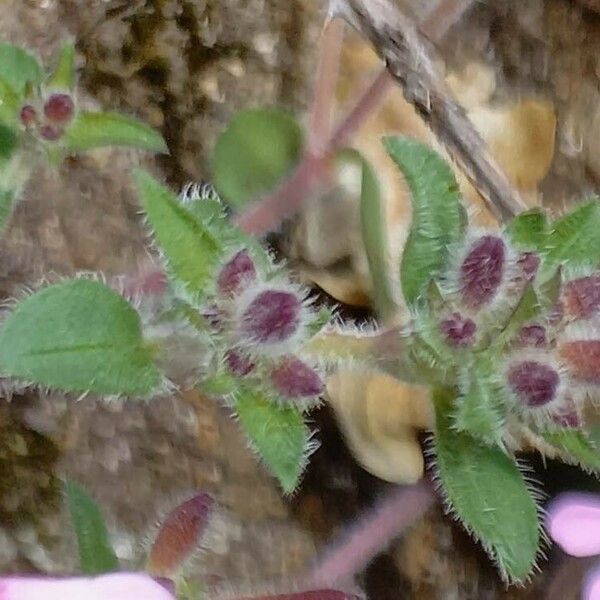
[117, 586]
[574, 524]
[591, 589]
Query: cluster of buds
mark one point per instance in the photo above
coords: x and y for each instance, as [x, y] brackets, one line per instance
[262, 325]
[548, 364]
[49, 121]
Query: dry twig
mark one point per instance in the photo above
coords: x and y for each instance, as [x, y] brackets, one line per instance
[410, 59]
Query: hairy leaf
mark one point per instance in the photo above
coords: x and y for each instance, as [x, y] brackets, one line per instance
[577, 445]
[254, 153]
[526, 311]
[10, 104]
[486, 491]
[437, 220]
[7, 203]
[375, 240]
[480, 410]
[95, 130]
[19, 68]
[278, 434]
[96, 555]
[63, 77]
[78, 336]
[528, 230]
[8, 143]
[191, 250]
[573, 241]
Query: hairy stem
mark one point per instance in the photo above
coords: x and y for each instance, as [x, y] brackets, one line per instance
[371, 534]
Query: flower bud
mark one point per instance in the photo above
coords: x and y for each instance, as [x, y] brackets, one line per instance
[482, 271]
[583, 359]
[28, 115]
[238, 364]
[272, 317]
[50, 133]
[535, 384]
[581, 297]
[293, 378]
[179, 535]
[238, 272]
[59, 108]
[458, 330]
[528, 263]
[532, 336]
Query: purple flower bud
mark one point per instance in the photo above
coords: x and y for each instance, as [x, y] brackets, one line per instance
[238, 272]
[295, 379]
[28, 115]
[59, 108]
[238, 364]
[272, 317]
[50, 133]
[529, 263]
[458, 330]
[581, 297]
[482, 270]
[568, 419]
[179, 535]
[583, 359]
[534, 383]
[532, 336]
[214, 316]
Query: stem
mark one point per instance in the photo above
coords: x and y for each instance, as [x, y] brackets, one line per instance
[327, 74]
[441, 19]
[373, 532]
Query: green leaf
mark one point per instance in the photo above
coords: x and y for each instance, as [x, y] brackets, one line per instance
[480, 411]
[96, 130]
[256, 151]
[577, 445]
[10, 104]
[375, 240]
[485, 489]
[8, 143]
[436, 221]
[19, 68]
[191, 250]
[96, 555]
[278, 434]
[573, 241]
[78, 336]
[526, 311]
[63, 77]
[7, 204]
[528, 230]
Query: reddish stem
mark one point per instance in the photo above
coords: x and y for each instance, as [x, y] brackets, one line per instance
[373, 532]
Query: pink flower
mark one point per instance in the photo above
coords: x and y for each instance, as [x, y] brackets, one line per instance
[116, 586]
[574, 524]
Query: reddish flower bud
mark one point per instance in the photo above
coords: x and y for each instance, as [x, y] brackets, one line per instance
[528, 263]
[534, 383]
[50, 133]
[272, 317]
[59, 108]
[238, 272]
[482, 270]
[458, 330]
[568, 419]
[581, 297]
[295, 379]
[533, 336]
[238, 364]
[583, 359]
[28, 115]
[179, 535]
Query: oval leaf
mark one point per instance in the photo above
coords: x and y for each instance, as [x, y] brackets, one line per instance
[191, 250]
[95, 552]
[485, 490]
[254, 153]
[528, 230]
[96, 130]
[63, 77]
[19, 68]
[78, 336]
[576, 445]
[278, 434]
[437, 214]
